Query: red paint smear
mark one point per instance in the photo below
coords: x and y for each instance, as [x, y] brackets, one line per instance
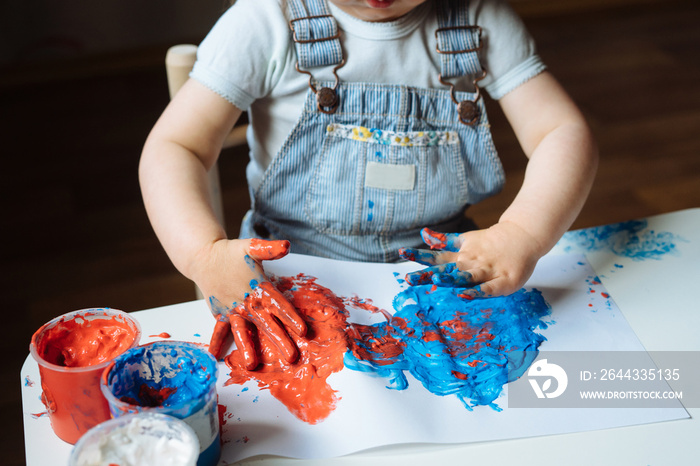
[379, 348]
[438, 240]
[161, 335]
[302, 386]
[268, 250]
[367, 305]
[605, 295]
[82, 342]
[459, 375]
[221, 409]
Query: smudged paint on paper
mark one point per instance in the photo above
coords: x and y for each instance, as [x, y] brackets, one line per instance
[469, 348]
[631, 239]
[302, 386]
[453, 346]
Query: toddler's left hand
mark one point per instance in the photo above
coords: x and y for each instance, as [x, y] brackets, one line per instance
[493, 262]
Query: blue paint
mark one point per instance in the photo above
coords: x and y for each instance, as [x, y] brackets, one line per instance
[422, 256]
[169, 377]
[453, 346]
[441, 275]
[370, 214]
[217, 308]
[445, 241]
[630, 239]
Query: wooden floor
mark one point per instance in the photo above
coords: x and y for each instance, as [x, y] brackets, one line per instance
[74, 233]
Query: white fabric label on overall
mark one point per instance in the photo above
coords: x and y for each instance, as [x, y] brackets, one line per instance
[390, 176]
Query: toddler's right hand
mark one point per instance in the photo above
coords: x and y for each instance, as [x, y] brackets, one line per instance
[241, 297]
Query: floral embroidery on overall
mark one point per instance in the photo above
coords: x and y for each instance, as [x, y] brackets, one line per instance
[392, 138]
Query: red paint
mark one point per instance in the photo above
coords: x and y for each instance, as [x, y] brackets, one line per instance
[243, 334]
[382, 349]
[81, 342]
[218, 337]
[150, 397]
[267, 308]
[605, 295]
[221, 409]
[301, 385]
[262, 250]
[436, 240]
[72, 351]
[459, 375]
[161, 335]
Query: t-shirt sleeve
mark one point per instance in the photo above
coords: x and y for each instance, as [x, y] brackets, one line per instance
[243, 55]
[509, 54]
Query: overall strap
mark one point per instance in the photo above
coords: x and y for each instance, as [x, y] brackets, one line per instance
[458, 42]
[315, 33]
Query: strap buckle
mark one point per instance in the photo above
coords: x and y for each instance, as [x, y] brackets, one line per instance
[308, 41]
[453, 52]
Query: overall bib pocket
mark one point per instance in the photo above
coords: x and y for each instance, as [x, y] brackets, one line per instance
[369, 181]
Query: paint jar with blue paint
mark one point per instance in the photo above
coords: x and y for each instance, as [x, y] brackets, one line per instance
[143, 439]
[172, 378]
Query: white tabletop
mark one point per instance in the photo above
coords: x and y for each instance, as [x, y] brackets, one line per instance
[656, 295]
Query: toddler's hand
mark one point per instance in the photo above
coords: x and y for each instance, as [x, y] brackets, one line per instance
[254, 302]
[493, 262]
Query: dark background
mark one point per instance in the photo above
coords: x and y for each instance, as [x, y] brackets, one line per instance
[81, 84]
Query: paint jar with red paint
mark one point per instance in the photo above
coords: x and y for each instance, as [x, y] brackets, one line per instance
[173, 378]
[143, 439]
[72, 351]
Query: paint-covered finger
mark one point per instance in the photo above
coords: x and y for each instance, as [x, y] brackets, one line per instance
[245, 341]
[283, 309]
[443, 241]
[421, 256]
[424, 276]
[472, 293]
[265, 250]
[218, 337]
[453, 277]
[259, 310]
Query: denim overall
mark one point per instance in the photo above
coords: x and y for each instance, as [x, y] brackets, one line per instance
[359, 178]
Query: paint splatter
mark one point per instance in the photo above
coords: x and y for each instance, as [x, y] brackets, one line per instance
[161, 335]
[28, 382]
[468, 348]
[453, 346]
[630, 239]
[40, 415]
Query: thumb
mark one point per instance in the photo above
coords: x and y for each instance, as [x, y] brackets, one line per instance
[262, 250]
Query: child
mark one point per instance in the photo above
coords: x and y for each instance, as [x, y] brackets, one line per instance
[367, 125]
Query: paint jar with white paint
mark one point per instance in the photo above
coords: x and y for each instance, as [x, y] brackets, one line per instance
[173, 378]
[72, 351]
[143, 439]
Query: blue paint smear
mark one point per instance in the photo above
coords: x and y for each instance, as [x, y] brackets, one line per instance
[370, 214]
[627, 239]
[469, 348]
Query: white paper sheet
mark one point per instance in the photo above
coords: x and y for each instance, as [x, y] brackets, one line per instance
[370, 415]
